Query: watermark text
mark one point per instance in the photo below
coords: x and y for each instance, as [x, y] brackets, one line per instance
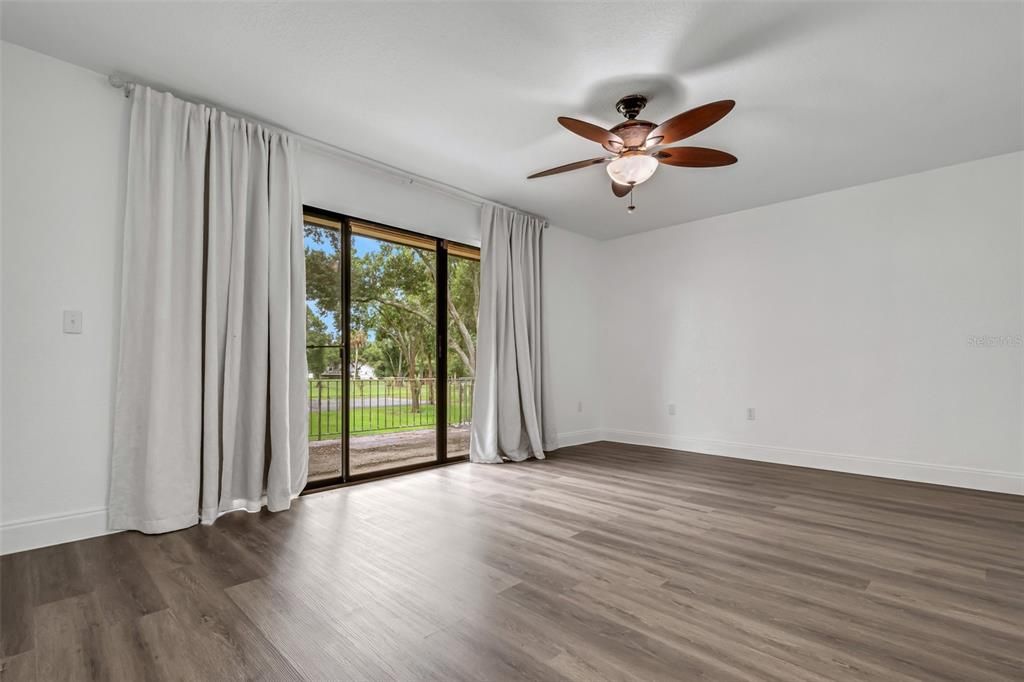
[996, 341]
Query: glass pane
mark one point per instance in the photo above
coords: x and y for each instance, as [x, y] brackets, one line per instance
[463, 305]
[323, 348]
[392, 340]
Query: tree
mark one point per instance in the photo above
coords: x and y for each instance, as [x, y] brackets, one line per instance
[463, 305]
[318, 359]
[414, 269]
[393, 293]
[357, 341]
[323, 269]
[390, 292]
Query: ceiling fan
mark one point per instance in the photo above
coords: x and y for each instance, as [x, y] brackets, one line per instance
[634, 143]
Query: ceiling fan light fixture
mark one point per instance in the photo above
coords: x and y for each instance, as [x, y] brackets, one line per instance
[632, 168]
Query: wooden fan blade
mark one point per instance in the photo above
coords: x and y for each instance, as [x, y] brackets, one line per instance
[606, 138]
[689, 122]
[694, 157]
[567, 167]
[620, 190]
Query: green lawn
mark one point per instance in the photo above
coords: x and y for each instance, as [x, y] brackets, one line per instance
[324, 388]
[367, 420]
[331, 388]
[368, 388]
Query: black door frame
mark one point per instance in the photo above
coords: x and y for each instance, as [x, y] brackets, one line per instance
[441, 352]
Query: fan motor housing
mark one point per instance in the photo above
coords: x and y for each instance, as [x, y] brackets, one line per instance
[634, 132]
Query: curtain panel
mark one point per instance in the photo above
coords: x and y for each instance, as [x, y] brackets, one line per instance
[509, 399]
[209, 409]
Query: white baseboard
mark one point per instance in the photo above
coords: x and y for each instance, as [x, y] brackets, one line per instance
[579, 437]
[55, 529]
[43, 531]
[940, 474]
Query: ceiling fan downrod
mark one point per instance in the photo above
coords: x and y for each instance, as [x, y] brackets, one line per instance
[630, 106]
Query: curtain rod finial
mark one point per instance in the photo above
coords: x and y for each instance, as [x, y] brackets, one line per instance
[121, 84]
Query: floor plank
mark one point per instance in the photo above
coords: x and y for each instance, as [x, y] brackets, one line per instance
[603, 562]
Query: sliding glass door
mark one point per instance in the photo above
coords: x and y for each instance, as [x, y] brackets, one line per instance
[392, 349]
[390, 369]
[463, 303]
[324, 237]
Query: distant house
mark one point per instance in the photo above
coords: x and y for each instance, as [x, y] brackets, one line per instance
[331, 373]
[360, 372]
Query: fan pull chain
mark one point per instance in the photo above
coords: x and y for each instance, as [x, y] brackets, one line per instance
[631, 207]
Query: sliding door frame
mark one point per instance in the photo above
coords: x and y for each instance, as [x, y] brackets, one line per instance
[441, 457]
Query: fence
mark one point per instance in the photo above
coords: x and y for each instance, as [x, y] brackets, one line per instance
[384, 405]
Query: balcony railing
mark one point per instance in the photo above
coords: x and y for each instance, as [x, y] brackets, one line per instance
[385, 405]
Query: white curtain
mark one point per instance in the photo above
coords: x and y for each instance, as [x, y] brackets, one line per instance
[509, 396]
[210, 414]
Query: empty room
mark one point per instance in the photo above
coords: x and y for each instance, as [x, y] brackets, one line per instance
[512, 340]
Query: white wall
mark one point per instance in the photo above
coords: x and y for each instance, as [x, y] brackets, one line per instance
[1, 266]
[64, 132]
[844, 318]
[572, 310]
[63, 183]
[347, 187]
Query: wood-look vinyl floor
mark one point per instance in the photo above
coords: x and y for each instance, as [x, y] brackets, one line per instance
[605, 561]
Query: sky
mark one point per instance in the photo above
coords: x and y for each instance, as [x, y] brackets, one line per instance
[361, 245]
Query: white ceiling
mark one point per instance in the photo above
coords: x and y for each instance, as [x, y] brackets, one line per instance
[829, 94]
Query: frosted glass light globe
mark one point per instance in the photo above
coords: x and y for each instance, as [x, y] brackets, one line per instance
[632, 169]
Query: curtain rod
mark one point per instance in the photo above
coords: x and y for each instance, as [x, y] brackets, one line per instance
[411, 178]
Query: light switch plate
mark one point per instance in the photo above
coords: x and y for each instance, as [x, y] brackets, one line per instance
[72, 321]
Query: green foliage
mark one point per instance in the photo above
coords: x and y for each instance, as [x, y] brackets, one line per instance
[319, 359]
[323, 270]
[393, 313]
[393, 295]
[463, 304]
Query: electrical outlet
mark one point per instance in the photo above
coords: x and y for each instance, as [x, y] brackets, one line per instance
[672, 409]
[72, 321]
[751, 414]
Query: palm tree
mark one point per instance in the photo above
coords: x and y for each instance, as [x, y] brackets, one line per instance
[357, 341]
